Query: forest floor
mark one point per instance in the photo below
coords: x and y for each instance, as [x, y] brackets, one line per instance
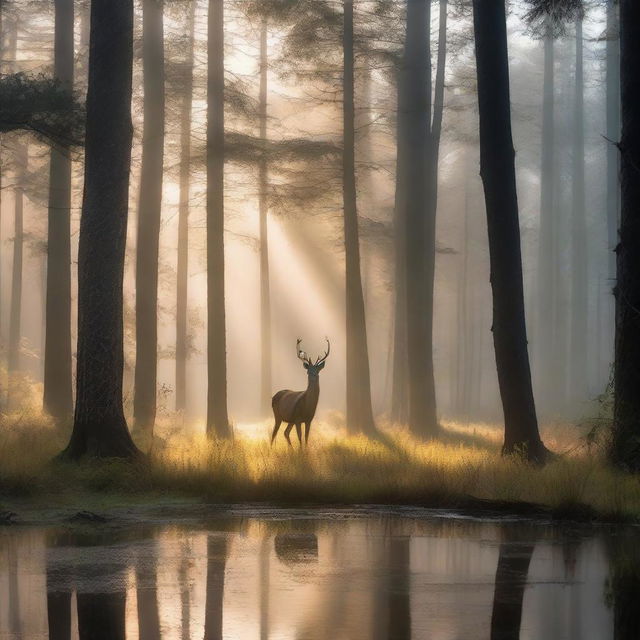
[462, 471]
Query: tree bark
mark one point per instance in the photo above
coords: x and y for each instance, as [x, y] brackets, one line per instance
[497, 169]
[263, 187]
[183, 220]
[58, 394]
[217, 417]
[149, 214]
[626, 427]
[579, 258]
[100, 428]
[420, 221]
[359, 408]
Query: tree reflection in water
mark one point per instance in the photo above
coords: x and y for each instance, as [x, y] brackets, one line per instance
[510, 583]
[387, 579]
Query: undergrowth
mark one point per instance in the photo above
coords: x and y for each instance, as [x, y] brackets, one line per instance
[464, 467]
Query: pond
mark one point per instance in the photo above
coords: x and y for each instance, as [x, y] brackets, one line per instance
[272, 574]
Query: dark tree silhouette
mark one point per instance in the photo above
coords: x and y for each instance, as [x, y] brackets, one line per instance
[100, 428]
[359, 409]
[415, 108]
[58, 394]
[150, 202]
[626, 427]
[497, 168]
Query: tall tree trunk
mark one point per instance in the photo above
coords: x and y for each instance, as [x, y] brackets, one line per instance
[217, 417]
[58, 394]
[546, 285]
[613, 165]
[626, 428]
[100, 428]
[420, 223]
[15, 309]
[400, 376]
[613, 129]
[359, 409]
[579, 298]
[149, 212]
[183, 219]
[263, 187]
[497, 169]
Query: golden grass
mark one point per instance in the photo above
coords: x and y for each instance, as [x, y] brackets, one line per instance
[463, 470]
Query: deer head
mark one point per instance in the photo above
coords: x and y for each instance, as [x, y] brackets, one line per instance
[313, 368]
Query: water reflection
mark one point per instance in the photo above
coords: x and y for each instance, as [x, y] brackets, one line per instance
[380, 578]
[510, 584]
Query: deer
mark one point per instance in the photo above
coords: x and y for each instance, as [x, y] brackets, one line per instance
[299, 407]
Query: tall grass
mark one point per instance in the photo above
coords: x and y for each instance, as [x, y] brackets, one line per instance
[462, 470]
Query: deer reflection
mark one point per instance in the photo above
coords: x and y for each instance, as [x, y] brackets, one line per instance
[511, 581]
[296, 548]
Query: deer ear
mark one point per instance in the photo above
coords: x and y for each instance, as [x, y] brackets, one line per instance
[321, 366]
[306, 365]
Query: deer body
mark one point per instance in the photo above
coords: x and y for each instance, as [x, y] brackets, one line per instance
[299, 407]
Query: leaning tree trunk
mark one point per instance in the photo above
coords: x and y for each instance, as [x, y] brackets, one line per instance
[100, 428]
[580, 285]
[415, 106]
[217, 417]
[263, 187]
[183, 221]
[149, 210]
[359, 408]
[497, 168]
[58, 394]
[626, 418]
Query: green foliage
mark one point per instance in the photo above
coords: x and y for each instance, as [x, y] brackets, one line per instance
[42, 106]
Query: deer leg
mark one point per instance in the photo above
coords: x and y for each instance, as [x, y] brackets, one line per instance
[299, 432]
[307, 428]
[275, 429]
[287, 431]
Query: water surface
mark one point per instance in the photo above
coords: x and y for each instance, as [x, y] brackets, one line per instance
[279, 575]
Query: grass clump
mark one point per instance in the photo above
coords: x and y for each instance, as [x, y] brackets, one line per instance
[464, 470]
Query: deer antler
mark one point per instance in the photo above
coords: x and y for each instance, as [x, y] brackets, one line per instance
[326, 355]
[302, 354]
